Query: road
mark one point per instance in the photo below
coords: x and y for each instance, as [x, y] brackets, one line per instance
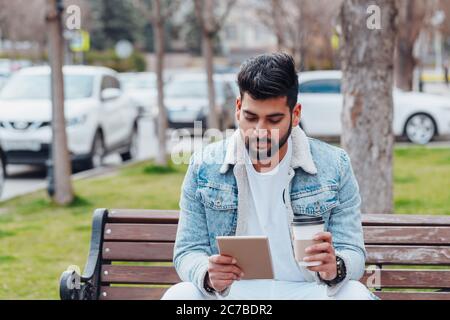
[23, 179]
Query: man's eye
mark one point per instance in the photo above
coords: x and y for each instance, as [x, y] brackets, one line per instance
[274, 121]
[250, 118]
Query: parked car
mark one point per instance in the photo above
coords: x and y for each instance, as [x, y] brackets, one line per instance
[141, 86]
[418, 116]
[187, 100]
[100, 118]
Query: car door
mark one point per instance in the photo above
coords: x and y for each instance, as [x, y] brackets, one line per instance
[112, 114]
[321, 101]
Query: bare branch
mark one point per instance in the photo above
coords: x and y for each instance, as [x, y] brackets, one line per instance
[221, 20]
[198, 8]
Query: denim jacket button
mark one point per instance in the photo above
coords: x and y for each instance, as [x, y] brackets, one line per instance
[217, 202]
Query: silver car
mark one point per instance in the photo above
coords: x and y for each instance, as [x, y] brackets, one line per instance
[187, 100]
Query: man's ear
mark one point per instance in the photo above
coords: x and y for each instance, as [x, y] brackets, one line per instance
[296, 114]
[238, 107]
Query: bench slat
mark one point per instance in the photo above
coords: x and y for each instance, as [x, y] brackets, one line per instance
[401, 295]
[138, 251]
[404, 220]
[433, 279]
[408, 255]
[171, 216]
[131, 293]
[138, 293]
[407, 235]
[140, 232]
[372, 235]
[142, 216]
[139, 275]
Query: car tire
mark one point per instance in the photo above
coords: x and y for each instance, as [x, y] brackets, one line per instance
[420, 128]
[132, 151]
[97, 153]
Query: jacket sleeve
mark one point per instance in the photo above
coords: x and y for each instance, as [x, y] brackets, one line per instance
[345, 225]
[192, 248]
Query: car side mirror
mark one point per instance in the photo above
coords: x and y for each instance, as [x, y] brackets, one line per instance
[110, 94]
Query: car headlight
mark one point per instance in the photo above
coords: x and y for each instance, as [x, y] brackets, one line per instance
[75, 121]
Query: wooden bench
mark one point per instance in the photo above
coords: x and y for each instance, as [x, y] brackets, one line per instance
[125, 241]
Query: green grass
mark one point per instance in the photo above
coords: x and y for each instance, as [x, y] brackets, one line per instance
[39, 240]
[422, 180]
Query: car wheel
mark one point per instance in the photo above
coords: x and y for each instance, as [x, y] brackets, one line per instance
[97, 152]
[420, 129]
[133, 148]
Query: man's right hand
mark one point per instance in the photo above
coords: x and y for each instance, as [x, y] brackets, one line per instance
[222, 272]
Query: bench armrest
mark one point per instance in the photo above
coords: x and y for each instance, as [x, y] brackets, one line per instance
[72, 285]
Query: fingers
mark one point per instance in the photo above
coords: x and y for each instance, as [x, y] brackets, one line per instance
[324, 236]
[320, 247]
[225, 269]
[321, 268]
[223, 276]
[218, 259]
[324, 257]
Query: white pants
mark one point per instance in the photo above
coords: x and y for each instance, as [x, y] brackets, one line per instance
[272, 290]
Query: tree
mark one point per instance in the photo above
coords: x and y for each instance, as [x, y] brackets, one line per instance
[411, 20]
[115, 20]
[210, 25]
[367, 64]
[296, 23]
[159, 12]
[63, 192]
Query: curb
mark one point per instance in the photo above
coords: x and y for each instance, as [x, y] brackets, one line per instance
[93, 173]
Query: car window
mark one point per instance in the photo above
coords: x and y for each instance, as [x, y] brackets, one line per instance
[110, 82]
[191, 89]
[327, 86]
[24, 87]
[138, 82]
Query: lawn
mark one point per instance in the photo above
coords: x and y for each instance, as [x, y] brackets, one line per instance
[39, 240]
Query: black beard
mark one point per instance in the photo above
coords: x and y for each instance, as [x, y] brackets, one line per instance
[261, 156]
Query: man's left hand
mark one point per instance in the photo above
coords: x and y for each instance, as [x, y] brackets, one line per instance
[323, 252]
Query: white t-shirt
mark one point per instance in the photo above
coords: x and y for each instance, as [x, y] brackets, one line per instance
[271, 216]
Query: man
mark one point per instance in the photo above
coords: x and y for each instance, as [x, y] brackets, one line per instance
[253, 183]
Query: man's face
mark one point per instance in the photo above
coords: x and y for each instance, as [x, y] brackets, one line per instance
[265, 124]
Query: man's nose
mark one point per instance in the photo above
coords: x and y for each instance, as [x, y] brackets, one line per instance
[261, 133]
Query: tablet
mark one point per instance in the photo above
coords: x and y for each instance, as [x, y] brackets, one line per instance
[252, 254]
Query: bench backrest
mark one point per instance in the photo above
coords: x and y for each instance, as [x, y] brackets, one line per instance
[135, 260]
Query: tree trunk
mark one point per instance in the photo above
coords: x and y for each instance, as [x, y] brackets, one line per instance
[63, 192]
[208, 54]
[367, 64]
[277, 9]
[405, 64]
[158, 23]
[411, 15]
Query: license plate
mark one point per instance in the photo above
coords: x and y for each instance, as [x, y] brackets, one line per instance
[21, 145]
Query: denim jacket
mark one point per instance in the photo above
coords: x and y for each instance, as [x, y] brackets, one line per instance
[215, 200]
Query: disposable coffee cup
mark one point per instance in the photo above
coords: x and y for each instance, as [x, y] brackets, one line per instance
[304, 229]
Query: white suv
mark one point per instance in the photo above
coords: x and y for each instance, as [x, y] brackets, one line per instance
[100, 119]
